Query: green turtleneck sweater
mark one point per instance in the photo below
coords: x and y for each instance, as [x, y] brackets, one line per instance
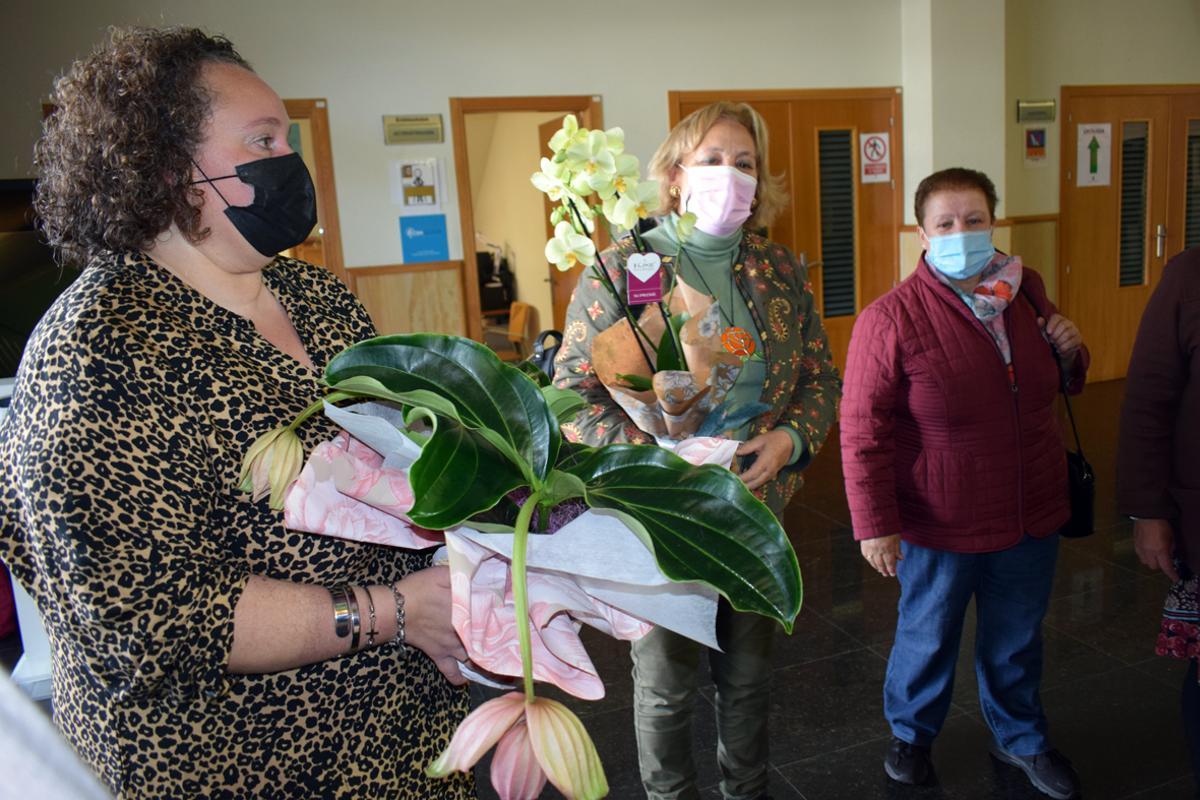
[705, 263]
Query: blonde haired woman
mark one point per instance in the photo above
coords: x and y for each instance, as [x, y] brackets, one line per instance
[714, 164]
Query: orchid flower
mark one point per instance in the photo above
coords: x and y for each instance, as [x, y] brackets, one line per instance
[549, 180]
[684, 226]
[590, 154]
[616, 140]
[566, 136]
[623, 177]
[535, 739]
[569, 247]
[638, 203]
[271, 464]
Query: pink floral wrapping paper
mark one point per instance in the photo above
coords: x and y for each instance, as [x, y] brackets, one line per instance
[350, 491]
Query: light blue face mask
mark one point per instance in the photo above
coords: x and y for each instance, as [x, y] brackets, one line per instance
[959, 256]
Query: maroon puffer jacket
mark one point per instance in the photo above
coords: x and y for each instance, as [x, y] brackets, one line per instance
[938, 444]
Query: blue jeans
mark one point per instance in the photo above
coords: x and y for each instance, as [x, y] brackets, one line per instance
[1011, 589]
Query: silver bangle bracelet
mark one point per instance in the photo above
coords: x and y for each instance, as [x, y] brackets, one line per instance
[341, 611]
[355, 619]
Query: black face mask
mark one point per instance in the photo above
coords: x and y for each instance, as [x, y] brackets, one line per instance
[284, 210]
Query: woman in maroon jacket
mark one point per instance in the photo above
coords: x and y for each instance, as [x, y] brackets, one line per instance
[1158, 472]
[956, 475]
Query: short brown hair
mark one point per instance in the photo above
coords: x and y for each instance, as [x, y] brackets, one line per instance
[954, 178]
[115, 157]
[685, 137]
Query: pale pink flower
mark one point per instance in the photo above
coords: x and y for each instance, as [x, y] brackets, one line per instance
[271, 464]
[538, 740]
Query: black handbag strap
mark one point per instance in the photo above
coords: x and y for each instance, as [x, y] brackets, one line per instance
[1062, 377]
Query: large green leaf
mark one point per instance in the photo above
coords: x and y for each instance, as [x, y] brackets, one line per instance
[565, 404]
[488, 395]
[702, 524]
[459, 474]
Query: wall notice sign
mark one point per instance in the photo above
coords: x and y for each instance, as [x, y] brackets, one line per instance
[423, 239]
[874, 157]
[415, 185]
[1035, 147]
[1093, 155]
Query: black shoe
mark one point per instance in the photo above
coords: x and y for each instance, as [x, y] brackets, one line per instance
[907, 763]
[1050, 772]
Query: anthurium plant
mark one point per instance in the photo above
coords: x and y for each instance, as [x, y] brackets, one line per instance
[490, 428]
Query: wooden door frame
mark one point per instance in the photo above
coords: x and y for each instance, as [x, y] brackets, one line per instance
[316, 111]
[893, 94]
[459, 108]
[1067, 93]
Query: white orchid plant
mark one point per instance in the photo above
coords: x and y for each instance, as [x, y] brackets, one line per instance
[591, 176]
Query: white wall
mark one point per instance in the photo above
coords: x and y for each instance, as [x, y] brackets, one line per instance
[1082, 42]
[376, 57]
[967, 42]
[952, 64]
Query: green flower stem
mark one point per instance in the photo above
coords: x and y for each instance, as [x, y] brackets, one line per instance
[332, 397]
[602, 274]
[520, 590]
[640, 243]
[675, 343]
[666, 304]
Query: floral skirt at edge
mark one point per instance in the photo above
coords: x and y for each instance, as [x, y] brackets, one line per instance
[1179, 635]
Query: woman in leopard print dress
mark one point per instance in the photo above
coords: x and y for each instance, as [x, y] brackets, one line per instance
[193, 636]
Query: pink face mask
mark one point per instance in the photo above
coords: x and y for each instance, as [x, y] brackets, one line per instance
[720, 197]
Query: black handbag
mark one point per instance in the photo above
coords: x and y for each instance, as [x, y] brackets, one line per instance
[543, 353]
[1081, 480]
[1081, 484]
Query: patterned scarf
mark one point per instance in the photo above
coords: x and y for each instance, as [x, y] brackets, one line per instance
[998, 285]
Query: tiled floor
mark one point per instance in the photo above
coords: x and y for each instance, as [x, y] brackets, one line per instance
[1112, 705]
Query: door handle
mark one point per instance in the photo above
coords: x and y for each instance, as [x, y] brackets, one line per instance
[1160, 240]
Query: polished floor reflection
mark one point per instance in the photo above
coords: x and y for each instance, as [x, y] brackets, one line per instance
[1112, 704]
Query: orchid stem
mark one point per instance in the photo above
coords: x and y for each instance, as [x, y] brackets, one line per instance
[602, 273]
[520, 590]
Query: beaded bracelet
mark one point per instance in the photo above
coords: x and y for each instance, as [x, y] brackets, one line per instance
[372, 632]
[398, 596]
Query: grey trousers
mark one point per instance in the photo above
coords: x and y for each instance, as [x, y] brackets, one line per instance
[664, 696]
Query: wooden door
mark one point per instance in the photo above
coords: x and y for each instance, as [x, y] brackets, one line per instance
[308, 135]
[847, 230]
[562, 284]
[1183, 193]
[1123, 187]
[587, 108]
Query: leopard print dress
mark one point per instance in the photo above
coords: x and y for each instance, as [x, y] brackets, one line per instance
[135, 401]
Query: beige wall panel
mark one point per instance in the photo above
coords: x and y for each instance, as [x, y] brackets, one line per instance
[410, 302]
[910, 251]
[1037, 245]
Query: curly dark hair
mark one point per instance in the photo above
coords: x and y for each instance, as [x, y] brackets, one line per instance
[115, 156]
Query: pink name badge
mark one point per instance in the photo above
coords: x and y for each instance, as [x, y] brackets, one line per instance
[644, 283]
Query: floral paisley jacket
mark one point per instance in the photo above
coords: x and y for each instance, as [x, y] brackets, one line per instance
[802, 385]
